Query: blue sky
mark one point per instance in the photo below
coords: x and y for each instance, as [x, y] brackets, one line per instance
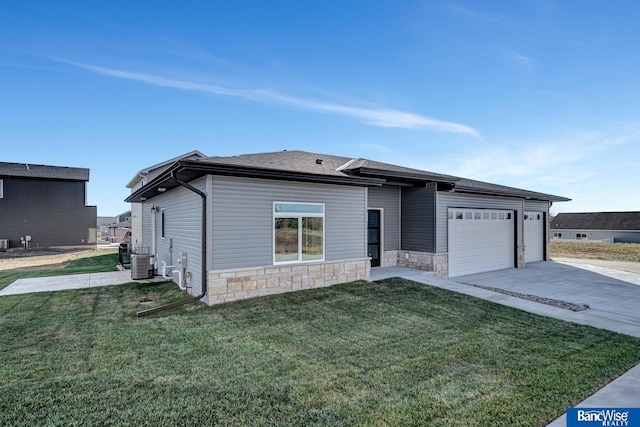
[539, 94]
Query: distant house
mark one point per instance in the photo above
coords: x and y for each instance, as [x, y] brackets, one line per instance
[618, 227]
[115, 228]
[229, 228]
[46, 203]
[103, 225]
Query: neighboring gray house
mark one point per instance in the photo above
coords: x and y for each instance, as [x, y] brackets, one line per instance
[614, 227]
[282, 221]
[46, 203]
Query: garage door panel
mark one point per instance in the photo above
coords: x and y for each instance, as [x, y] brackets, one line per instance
[533, 236]
[480, 240]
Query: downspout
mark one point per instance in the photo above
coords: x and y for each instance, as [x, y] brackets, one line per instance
[203, 252]
[154, 245]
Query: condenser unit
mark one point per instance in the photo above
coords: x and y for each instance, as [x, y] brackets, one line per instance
[141, 267]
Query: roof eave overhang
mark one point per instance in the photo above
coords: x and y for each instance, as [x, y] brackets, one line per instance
[45, 178]
[402, 176]
[522, 195]
[192, 170]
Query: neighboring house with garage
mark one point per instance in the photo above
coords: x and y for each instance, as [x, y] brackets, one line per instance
[613, 227]
[45, 205]
[288, 220]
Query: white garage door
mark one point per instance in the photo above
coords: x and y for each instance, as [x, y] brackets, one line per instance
[533, 236]
[480, 240]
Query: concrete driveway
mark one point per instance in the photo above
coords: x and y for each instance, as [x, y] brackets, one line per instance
[613, 296]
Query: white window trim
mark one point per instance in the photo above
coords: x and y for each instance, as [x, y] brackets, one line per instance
[299, 216]
[1, 189]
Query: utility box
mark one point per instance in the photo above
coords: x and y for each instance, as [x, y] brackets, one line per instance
[141, 267]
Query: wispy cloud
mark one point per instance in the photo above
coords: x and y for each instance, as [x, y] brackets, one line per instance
[531, 157]
[492, 18]
[573, 163]
[381, 117]
[518, 58]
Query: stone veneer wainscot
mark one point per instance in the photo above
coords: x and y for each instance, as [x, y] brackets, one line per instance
[238, 284]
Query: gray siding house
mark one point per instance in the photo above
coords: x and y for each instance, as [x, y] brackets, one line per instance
[613, 227]
[47, 203]
[250, 225]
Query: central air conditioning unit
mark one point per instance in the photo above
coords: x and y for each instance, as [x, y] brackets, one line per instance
[141, 267]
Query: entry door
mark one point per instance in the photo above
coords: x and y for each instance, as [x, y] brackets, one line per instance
[373, 236]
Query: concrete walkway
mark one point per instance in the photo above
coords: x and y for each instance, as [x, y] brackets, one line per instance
[73, 281]
[623, 392]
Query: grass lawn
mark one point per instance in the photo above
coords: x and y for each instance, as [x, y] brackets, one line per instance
[93, 263]
[387, 353]
[611, 251]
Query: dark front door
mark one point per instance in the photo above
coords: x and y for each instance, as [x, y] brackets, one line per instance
[373, 237]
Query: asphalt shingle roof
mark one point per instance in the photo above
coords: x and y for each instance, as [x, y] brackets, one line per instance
[290, 161]
[303, 161]
[25, 170]
[597, 221]
[305, 165]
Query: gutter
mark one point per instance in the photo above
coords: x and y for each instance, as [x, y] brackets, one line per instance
[203, 168]
[203, 253]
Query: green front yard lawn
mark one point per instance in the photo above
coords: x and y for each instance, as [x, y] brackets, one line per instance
[387, 353]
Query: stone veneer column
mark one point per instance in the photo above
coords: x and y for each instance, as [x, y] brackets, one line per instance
[441, 265]
[520, 260]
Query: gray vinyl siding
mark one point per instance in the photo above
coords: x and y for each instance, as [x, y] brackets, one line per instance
[418, 220]
[448, 200]
[53, 212]
[388, 199]
[136, 221]
[536, 206]
[146, 232]
[242, 219]
[183, 226]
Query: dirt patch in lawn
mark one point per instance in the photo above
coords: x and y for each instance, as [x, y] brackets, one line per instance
[19, 260]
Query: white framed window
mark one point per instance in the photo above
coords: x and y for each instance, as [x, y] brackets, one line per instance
[557, 235]
[1, 189]
[581, 236]
[298, 232]
[163, 223]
